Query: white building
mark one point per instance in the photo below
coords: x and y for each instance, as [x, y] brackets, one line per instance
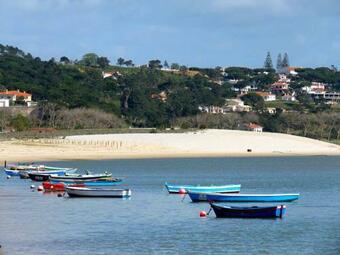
[211, 109]
[16, 95]
[4, 102]
[254, 127]
[266, 96]
[236, 105]
[288, 97]
[245, 89]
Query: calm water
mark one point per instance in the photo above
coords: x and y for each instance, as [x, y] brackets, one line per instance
[153, 222]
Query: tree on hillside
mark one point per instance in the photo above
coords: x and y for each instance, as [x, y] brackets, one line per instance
[175, 66]
[279, 62]
[285, 61]
[128, 63]
[103, 62]
[254, 101]
[268, 63]
[120, 61]
[333, 68]
[89, 59]
[166, 65]
[64, 60]
[183, 68]
[20, 123]
[155, 64]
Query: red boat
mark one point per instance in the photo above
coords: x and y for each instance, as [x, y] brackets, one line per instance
[58, 186]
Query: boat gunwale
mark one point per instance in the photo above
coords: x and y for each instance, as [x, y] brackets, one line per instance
[244, 194]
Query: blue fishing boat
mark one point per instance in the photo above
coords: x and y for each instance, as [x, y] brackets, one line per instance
[44, 175]
[217, 197]
[81, 177]
[15, 170]
[223, 211]
[10, 172]
[98, 183]
[230, 188]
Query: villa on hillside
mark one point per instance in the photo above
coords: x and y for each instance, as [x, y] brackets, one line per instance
[231, 105]
[284, 78]
[266, 96]
[211, 109]
[113, 75]
[15, 97]
[162, 96]
[236, 105]
[290, 70]
[254, 127]
[244, 90]
[315, 87]
[280, 87]
[289, 97]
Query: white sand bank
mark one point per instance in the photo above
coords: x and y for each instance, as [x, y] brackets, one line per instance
[191, 144]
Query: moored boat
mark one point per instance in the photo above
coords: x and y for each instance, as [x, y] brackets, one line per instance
[218, 197]
[44, 175]
[16, 169]
[223, 211]
[53, 187]
[97, 192]
[12, 172]
[95, 183]
[24, 175]
[48, 186]
[80, 177]
[230, 188]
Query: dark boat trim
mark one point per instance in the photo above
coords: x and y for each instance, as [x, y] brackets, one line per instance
[247, 212]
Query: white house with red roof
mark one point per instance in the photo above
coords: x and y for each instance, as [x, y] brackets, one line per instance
[266, 96]
[254, 127]
[8, 97]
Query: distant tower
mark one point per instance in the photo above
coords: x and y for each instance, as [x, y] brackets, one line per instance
[268, 63]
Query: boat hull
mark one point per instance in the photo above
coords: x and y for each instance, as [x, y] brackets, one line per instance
[248, 212]
[73, 178]
[98, 183]
[97, 192]
[43, 175]
[216, 197]
[17, 172]
[235, 188]
[24, 175]
[10, 172]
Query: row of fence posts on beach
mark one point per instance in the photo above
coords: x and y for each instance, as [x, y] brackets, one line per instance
[94, 143]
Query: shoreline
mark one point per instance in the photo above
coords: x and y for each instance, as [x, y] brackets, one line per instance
[200, 144]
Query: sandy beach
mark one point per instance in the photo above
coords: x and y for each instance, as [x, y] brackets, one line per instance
[206, 143]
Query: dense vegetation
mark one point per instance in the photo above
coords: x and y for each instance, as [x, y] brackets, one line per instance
[74, 85]
[74, 94]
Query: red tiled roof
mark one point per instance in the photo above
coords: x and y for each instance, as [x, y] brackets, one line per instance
[253, 126]
[262, 94]
[15, 93]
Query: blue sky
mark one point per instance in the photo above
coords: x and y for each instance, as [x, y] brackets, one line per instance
[203, 33]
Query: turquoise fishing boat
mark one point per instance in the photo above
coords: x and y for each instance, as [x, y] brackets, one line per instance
[217, 197]
[230, 188]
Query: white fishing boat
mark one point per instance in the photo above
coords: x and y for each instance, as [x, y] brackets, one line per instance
[97, 192]
[80, 177]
